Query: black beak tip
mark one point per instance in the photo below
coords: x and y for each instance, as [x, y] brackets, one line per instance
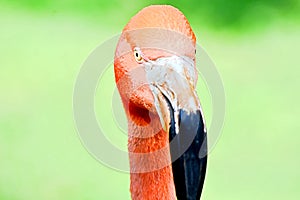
[189, 155]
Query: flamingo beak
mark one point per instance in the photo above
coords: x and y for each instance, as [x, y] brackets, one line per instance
[172, 82]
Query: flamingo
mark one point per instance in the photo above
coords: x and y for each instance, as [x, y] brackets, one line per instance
[155, 74]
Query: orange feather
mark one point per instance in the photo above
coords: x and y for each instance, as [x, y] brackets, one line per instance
[145, 132]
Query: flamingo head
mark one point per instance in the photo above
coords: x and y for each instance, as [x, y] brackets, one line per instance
[155, 73]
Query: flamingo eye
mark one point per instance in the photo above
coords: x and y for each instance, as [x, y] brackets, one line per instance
[137, 55]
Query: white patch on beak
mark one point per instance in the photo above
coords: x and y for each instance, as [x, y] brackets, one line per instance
[173, 78]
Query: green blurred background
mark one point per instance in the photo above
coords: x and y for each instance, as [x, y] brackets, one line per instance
[255, 45]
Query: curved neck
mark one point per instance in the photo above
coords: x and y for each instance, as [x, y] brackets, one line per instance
[156, 184]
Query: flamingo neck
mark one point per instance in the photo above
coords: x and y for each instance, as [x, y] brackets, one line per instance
[154, 182]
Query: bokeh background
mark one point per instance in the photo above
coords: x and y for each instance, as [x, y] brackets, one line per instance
[43, 43]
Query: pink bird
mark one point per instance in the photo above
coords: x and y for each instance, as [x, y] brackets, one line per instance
[156, 77]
